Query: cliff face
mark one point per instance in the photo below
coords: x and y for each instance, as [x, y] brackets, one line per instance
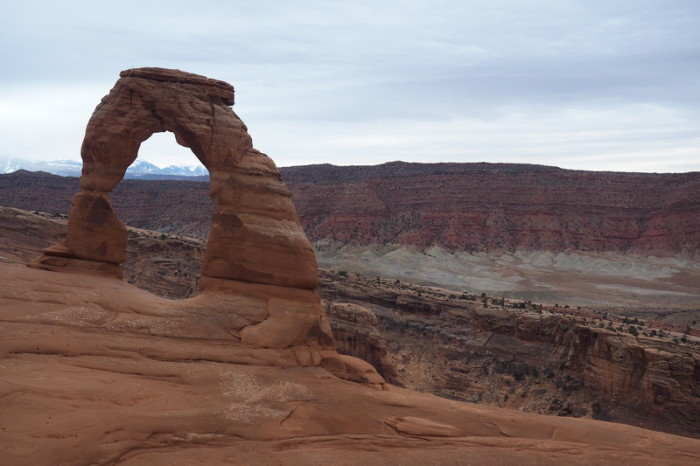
[96, 371]
[484, 207]
[357, 333]
[533, 359]
[461, 207]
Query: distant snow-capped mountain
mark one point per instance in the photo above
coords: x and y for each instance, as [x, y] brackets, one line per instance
[9, 166]
[57, 167]
[139, 169]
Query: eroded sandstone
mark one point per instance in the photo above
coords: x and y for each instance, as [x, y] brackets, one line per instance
[256, 246]
[96, 371]
[255, 235]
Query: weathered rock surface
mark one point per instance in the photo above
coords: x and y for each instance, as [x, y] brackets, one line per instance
[257, 250]
[96, 371]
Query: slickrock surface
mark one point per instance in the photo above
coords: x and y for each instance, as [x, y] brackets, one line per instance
[444, 343]
[96, 371]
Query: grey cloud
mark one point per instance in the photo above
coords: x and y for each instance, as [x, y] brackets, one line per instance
[369, 62]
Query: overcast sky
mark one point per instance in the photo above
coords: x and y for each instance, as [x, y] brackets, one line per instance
[585, 84]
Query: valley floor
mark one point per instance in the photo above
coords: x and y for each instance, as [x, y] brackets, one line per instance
[576, 278]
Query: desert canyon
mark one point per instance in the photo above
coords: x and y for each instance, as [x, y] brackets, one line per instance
[127, 346]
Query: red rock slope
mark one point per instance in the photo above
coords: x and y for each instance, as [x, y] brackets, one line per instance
[96, 371]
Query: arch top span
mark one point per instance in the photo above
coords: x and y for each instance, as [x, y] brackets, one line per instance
[214, 87]
[152, 100]
[255, 234]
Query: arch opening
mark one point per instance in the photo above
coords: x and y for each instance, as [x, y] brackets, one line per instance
[160, 156]
[151, 206]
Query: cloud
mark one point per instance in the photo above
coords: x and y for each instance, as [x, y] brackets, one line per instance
[633, 138]
[307, 70]
[45, 122]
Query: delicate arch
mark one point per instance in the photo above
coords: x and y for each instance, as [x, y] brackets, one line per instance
[255, 235]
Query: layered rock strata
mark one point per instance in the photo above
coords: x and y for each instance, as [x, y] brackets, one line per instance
[574, 364]
[499, 207]
[459, 207]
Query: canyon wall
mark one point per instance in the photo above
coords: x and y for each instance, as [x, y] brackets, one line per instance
[522, 356]
[461, 207]
[486, 207]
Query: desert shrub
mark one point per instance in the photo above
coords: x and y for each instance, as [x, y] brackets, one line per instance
[599, 412]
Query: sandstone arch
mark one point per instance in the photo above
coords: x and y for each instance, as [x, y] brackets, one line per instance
[255, 234]
[259, 272]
